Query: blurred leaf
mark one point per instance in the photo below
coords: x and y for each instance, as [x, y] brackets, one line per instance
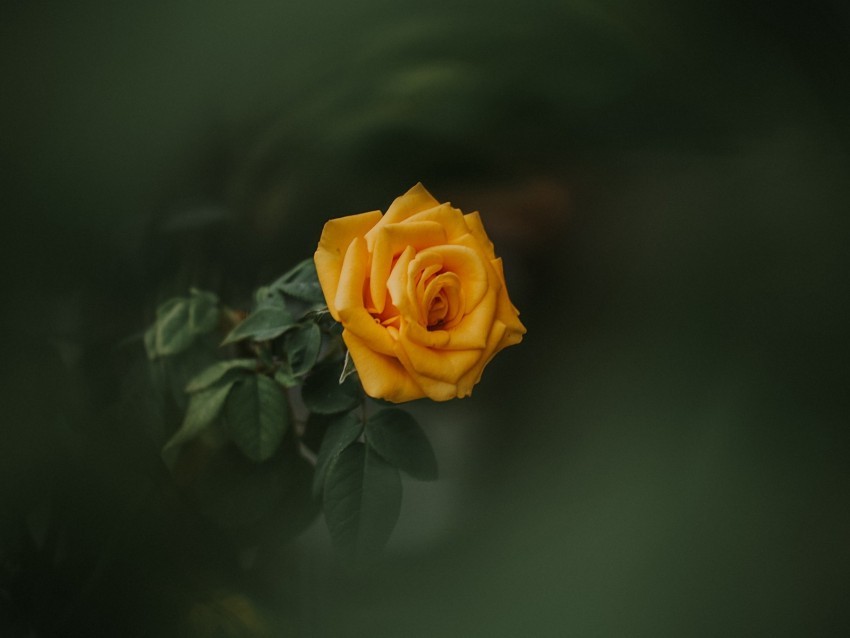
[323, 393]
[179, 321]
[302, 282]
[263, 324]
[302, 347]
[203, 311]
[203, 409]
[342, 431]
[395, 435]
[171, 374]
[257, 416]
[173, 332]
[216, 371]
[362, 500]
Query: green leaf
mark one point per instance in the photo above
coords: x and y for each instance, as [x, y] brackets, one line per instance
[216, 371]
[177, 370]
[302, 282]
[362, 500]
[173, 333]
[203, 409]
[395, 435]
[257, 416]
[285, 377]
[203, 311]
[302, 347]
[179, 321]
[342, 432]
[267, 296]
[323, 393]
[263, 324]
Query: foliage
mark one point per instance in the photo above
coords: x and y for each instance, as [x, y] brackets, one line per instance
[275, 411]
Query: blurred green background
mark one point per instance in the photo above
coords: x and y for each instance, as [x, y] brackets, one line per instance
[666, 454]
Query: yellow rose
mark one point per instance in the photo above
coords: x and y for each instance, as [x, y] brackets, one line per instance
[421, 297]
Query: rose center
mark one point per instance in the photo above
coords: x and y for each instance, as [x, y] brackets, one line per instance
[441, 300]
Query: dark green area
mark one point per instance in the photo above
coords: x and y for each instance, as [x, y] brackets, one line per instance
[665, 454]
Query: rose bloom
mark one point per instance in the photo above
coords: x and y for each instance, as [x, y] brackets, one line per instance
[421, 296]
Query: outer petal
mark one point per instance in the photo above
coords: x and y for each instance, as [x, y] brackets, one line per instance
[473, 376]
[476, 228]
[435, 363]
[415, 200]
[349, 299]
[506, 311]
[383, 377]
[434, 389]
[336, 237]
[450, 218]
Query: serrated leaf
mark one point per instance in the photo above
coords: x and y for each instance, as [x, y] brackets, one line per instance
[341, 432]
[395, 435]
[216, 371]
[257, 416]
[263, 324]
[301, 282]
[173, 333]
[302, 347]
[323, 393]
[203, 311]
[362, 500]
[203, 409]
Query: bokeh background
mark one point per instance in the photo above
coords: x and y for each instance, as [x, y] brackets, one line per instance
[666, 454]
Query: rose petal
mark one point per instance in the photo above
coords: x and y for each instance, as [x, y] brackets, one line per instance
[397, 282]
[389, 242]
[450, 218]
[415, 200]
[461, 260]
[476, 229]
[349, 299]
[447, 283]
[442, 365]
[506, 311]
[383, 377]
[473, 376]
[434, 389]
[336, 237]
[432, 338]
[473, 329]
